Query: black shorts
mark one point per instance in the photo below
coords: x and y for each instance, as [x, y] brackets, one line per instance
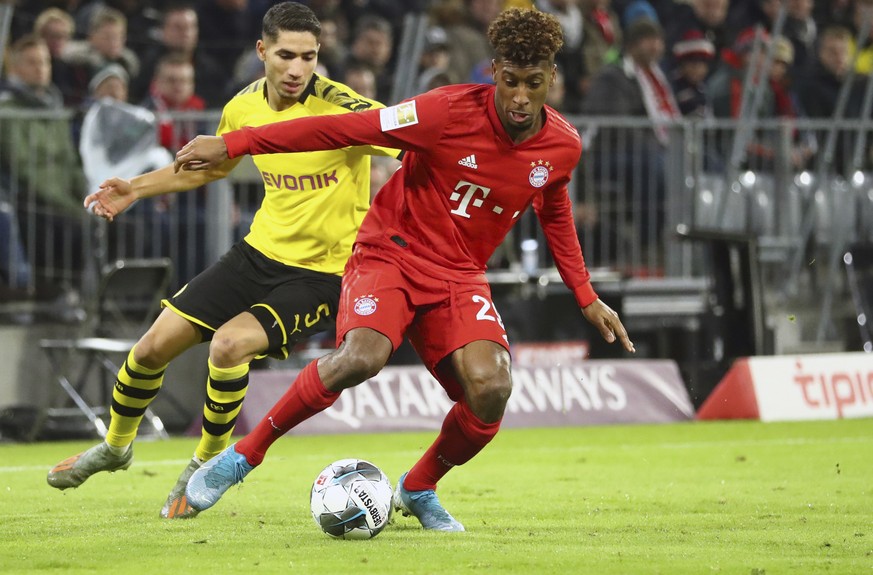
[291, 303]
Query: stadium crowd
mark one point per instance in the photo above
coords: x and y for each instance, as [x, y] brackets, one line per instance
[656, 59]
[192, 55]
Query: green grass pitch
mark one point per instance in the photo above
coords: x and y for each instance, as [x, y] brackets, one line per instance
[742, 497]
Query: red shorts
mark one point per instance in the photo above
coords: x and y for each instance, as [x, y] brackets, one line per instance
[438, 316]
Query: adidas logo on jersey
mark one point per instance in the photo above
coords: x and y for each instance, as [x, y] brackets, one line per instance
[469, 162]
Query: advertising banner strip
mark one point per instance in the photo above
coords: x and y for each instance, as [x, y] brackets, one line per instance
[794, 388]
[409, 398]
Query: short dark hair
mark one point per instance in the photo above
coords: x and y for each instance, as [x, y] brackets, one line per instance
[524, 36]
[290, 17]
[371, 22]
[26, 42]
[642, 29]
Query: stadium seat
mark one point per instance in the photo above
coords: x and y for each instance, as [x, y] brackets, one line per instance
[126, 302]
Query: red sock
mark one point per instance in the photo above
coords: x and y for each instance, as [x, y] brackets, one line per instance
[462, 436]
[306, 397]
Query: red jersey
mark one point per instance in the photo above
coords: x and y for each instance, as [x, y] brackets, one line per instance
[463, 183]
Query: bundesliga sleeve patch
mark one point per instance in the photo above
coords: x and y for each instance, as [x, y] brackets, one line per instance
[398, 116]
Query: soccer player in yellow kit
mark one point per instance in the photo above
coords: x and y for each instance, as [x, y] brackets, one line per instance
[277, 286]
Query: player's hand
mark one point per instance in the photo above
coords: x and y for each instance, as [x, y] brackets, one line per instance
[113, 197]
[605, 319]
[201, 153]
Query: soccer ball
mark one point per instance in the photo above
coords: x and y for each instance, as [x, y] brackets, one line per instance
[351, 499]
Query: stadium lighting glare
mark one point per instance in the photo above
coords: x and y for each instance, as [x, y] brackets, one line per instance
[748, 178]
[804, 178]
[858, 179]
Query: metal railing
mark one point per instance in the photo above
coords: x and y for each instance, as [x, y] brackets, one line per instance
[631, 193]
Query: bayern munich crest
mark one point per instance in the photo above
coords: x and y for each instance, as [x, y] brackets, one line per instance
[539, 173]
[366, 304]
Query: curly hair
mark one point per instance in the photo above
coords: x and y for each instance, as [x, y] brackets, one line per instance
[524, 36]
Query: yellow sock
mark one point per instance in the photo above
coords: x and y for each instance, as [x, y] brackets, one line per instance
[225, 391]
[135, 388]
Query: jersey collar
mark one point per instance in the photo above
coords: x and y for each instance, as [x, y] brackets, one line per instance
[307, 91]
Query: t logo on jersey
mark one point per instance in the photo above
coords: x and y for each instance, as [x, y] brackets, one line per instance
[468, 197]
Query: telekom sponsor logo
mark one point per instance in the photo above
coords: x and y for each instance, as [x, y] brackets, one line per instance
[825, 386]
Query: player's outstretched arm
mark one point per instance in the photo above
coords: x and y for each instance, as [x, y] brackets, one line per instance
[201, 153]
[112, 197]
[117, 194]
[606, 320]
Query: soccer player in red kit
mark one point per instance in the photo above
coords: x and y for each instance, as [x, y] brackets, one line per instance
[476, 157]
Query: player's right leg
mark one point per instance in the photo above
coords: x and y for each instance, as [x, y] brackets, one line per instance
[137, 383]
[466, 349]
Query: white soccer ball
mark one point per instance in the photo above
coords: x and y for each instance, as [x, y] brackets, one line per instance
[351, 499]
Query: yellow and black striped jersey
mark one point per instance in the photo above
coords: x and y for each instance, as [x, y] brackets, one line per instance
[314, 202]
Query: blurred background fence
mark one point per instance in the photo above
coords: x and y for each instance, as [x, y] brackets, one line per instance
[708, 258]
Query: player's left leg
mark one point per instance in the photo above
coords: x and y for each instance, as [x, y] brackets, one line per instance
[475, 371]
[233, 347]
[301, 304]
[374, 311]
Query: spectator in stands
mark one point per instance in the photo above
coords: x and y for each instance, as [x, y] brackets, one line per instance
[786, 102]
[601, 45]
[692, 57]
[434, 63]
[41, 157]
[802, 29]
[636, 86]
[26, 12]
[362, 80]
[56, 28]
[726, 88]
[799, 26]
[247, 69]
[111, 82]
[173, 90]
[332, 53]
[107, 36]
[466, 22]
[819, 90]
[180, 34]
[726, 84]
[142, 17]
[569, 58]
[638, 10]
[557, 95]
[707, 16]
[634, 158]
[834, 13]
[227, 28]
[862, 11]
[372, 46]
